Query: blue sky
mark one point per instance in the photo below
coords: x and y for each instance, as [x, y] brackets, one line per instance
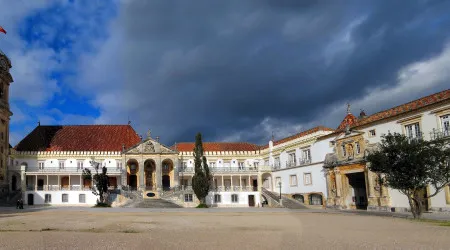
[233, 70]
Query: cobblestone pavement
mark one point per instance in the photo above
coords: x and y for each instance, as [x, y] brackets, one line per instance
[218, 228]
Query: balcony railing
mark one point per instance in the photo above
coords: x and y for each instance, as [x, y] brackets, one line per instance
[290, 164]
[234, 189]
[61, 188]
[223, 169]
[440, 133]
[417, 136]
[68, 170]
[304, 162]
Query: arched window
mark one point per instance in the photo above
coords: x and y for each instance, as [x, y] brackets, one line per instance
[315, 199]
[299, 198]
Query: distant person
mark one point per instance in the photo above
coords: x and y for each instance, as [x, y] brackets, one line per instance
[18, 204]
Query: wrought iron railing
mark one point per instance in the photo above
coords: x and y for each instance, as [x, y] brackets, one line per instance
[440, 133]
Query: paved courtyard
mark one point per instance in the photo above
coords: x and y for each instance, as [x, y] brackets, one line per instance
[118, 228]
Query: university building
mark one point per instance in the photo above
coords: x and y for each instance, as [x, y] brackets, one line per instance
[319, 167]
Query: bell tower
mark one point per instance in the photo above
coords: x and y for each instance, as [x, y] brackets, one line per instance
[5, 114]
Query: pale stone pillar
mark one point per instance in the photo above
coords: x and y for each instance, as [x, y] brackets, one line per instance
[124, 172]
[240, 183]
[59, 182]
[370, 184]
[176, 175]
[141, 175]
[47, 183]
[223, 186]
[35, 183]
[23, 181]
[158, 173]
[80, 183]
[329, 188]
[337, 199]
[69, 183]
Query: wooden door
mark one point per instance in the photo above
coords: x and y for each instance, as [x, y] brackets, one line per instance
[251, 200]
[30, 199]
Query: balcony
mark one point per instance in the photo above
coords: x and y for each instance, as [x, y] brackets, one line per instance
[440, 133]
[417, 136]
[304, 162]
[234, 189]
[223, 170]
[290, 164]
[68, 170]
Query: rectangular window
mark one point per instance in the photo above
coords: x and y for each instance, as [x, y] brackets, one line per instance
[80, 164]
[118, 164]
[256, 164]
[445, 124]
[277, 181]
[212, 164]
[65, 198]
[234, 198]
[277, 162]
[307, 179]
[82, 198]
[48, 198]
[41, 165]
[241, 165]
[344, 152]
[372, 133]
[413, 130]
[61, 164]
[184, 164]
[306, 155]
[358, 148]
[293, 180]
[292, 159]
[188, 198]
[217, 198]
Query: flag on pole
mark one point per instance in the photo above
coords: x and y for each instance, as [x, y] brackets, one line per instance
[2, 29]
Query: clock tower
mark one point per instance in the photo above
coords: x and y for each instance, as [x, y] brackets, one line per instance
[5, 114]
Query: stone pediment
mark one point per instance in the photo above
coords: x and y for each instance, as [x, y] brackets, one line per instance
[150, 146]
[351, 134]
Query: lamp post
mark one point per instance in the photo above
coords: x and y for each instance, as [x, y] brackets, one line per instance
[279, 185]
[281, 200]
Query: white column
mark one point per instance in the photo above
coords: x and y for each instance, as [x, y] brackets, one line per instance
[249, 185]
[59, 182]
[80, 182]
[240, 183]
[35, 183]
[47, 182]
[69, 181]
[223, 187]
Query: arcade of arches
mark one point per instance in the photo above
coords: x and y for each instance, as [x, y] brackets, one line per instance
[149, 175]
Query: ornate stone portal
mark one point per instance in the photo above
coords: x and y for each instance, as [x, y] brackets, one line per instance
[156, 166]
[351, 185]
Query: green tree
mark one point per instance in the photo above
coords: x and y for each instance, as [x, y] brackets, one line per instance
[410, 166]
[201, 181]
[101, 181]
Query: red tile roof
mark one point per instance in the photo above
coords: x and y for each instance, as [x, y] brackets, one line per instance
[217, 146]
[301, 134]
[79, 138]
[402, 109]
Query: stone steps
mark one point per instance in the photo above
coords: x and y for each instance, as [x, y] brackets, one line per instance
[156, 203]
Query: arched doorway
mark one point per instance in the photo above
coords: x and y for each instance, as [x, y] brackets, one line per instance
[166, 182]
[267, 181]
[315, 199]
[13, 183]
[149, 171]
[132, 172]
[299, 198]
[167, 173]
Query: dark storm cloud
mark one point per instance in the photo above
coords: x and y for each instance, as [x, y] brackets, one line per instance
[223, 66]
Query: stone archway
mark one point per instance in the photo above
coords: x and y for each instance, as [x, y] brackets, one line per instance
[132, 174]
[167, 173]
[150, 172]
[267, 181]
